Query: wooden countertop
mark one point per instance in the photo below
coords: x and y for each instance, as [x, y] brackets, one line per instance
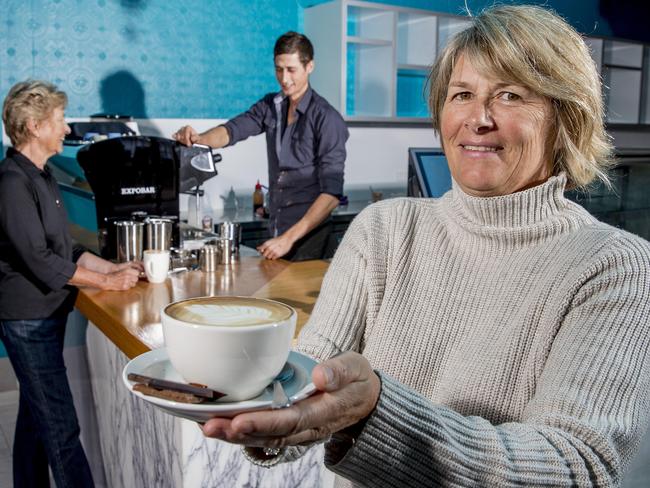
[131, 319]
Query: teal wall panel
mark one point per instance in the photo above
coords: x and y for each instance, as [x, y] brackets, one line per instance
[157, 59]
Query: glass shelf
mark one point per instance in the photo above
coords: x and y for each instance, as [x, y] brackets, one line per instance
[369, 80]
[416, 39]
[623, 95]
[411, 99]
[447, 27]
[645, 93]
[623, 54]
[370, 23]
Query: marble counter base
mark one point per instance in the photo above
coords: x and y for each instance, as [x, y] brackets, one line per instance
[143, 446]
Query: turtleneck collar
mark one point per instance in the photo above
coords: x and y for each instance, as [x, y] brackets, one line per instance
[522, 209]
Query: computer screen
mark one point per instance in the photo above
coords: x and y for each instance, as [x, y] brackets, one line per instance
[428, 173]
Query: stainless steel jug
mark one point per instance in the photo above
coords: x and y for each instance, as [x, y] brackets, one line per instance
[159, 233]
[232, 232]
[129, 240]
[209, 257]
[227, 254]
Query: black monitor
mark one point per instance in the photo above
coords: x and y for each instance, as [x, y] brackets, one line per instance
[428, 173]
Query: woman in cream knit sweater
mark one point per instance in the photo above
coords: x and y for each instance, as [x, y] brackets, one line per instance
[508, 330]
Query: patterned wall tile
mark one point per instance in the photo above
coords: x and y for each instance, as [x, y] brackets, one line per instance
[192, 58]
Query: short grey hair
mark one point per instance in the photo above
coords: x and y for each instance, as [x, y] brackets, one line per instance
[534, 47]
[31, 99]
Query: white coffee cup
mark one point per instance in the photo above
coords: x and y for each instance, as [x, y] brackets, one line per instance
[235, 345]
[156, 265]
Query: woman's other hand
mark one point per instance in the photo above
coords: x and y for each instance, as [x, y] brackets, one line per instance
[123, 279]
[137, 265]
[348, 392]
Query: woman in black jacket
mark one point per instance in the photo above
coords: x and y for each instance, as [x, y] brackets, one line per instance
[40, 267]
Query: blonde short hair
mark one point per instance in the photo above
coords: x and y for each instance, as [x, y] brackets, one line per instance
[534, 47]
[31, 99]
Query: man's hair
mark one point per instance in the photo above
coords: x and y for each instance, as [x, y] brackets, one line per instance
[31, 99]
[534, 47]
[293, 42]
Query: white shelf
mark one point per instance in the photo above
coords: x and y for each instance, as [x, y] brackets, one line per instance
[626, 54]
[414, 67]
[369, 57]
[373, 42]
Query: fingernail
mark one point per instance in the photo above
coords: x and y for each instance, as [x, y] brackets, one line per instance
[329, 374]
[210, 431]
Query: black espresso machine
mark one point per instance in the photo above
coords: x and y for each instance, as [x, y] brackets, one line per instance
[135, 177]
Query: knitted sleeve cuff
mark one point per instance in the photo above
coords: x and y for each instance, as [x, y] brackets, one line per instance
[370, 452]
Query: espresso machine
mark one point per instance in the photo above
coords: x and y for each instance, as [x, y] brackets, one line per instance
[139, 177]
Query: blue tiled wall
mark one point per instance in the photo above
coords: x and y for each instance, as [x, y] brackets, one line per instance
[147, 58]
[172, 59]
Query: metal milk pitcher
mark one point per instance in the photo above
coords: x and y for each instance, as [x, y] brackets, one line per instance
[129, 240]
[159, 234]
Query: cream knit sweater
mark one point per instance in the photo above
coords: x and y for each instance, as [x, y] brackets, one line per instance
[512, 335]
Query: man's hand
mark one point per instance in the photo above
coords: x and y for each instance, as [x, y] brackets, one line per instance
[348, 392]
[186, 135]
[276, 248]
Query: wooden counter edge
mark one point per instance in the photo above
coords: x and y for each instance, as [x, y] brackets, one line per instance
[114, 330]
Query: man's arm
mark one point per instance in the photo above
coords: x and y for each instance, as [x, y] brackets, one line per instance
[321, 209]
[250, 123]
[216, 137]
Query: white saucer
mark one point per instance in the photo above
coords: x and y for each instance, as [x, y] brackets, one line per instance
[156, 364]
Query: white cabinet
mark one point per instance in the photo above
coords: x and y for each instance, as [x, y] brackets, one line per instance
[372, 60]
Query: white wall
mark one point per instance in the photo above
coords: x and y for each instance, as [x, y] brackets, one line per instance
[377, 157]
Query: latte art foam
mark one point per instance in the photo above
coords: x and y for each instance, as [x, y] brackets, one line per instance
[228, 311]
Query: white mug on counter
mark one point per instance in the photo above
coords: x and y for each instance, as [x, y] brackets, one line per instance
[156, 265]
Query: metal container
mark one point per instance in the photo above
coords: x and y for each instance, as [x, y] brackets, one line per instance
[184, 259]
[129, 240]
[209, 257]
[226, 250]
[159, 233]
[231, 231]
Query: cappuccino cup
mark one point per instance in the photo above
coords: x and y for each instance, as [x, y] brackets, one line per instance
[235, 345]
[156, 265]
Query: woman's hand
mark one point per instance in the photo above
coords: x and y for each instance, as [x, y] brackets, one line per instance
[100, 273]
[137, 265]
[348, 392]
[123, 279]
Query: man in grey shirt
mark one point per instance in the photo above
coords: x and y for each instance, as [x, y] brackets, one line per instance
[305, 141]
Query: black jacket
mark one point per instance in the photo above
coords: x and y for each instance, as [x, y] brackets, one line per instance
[37, 254]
